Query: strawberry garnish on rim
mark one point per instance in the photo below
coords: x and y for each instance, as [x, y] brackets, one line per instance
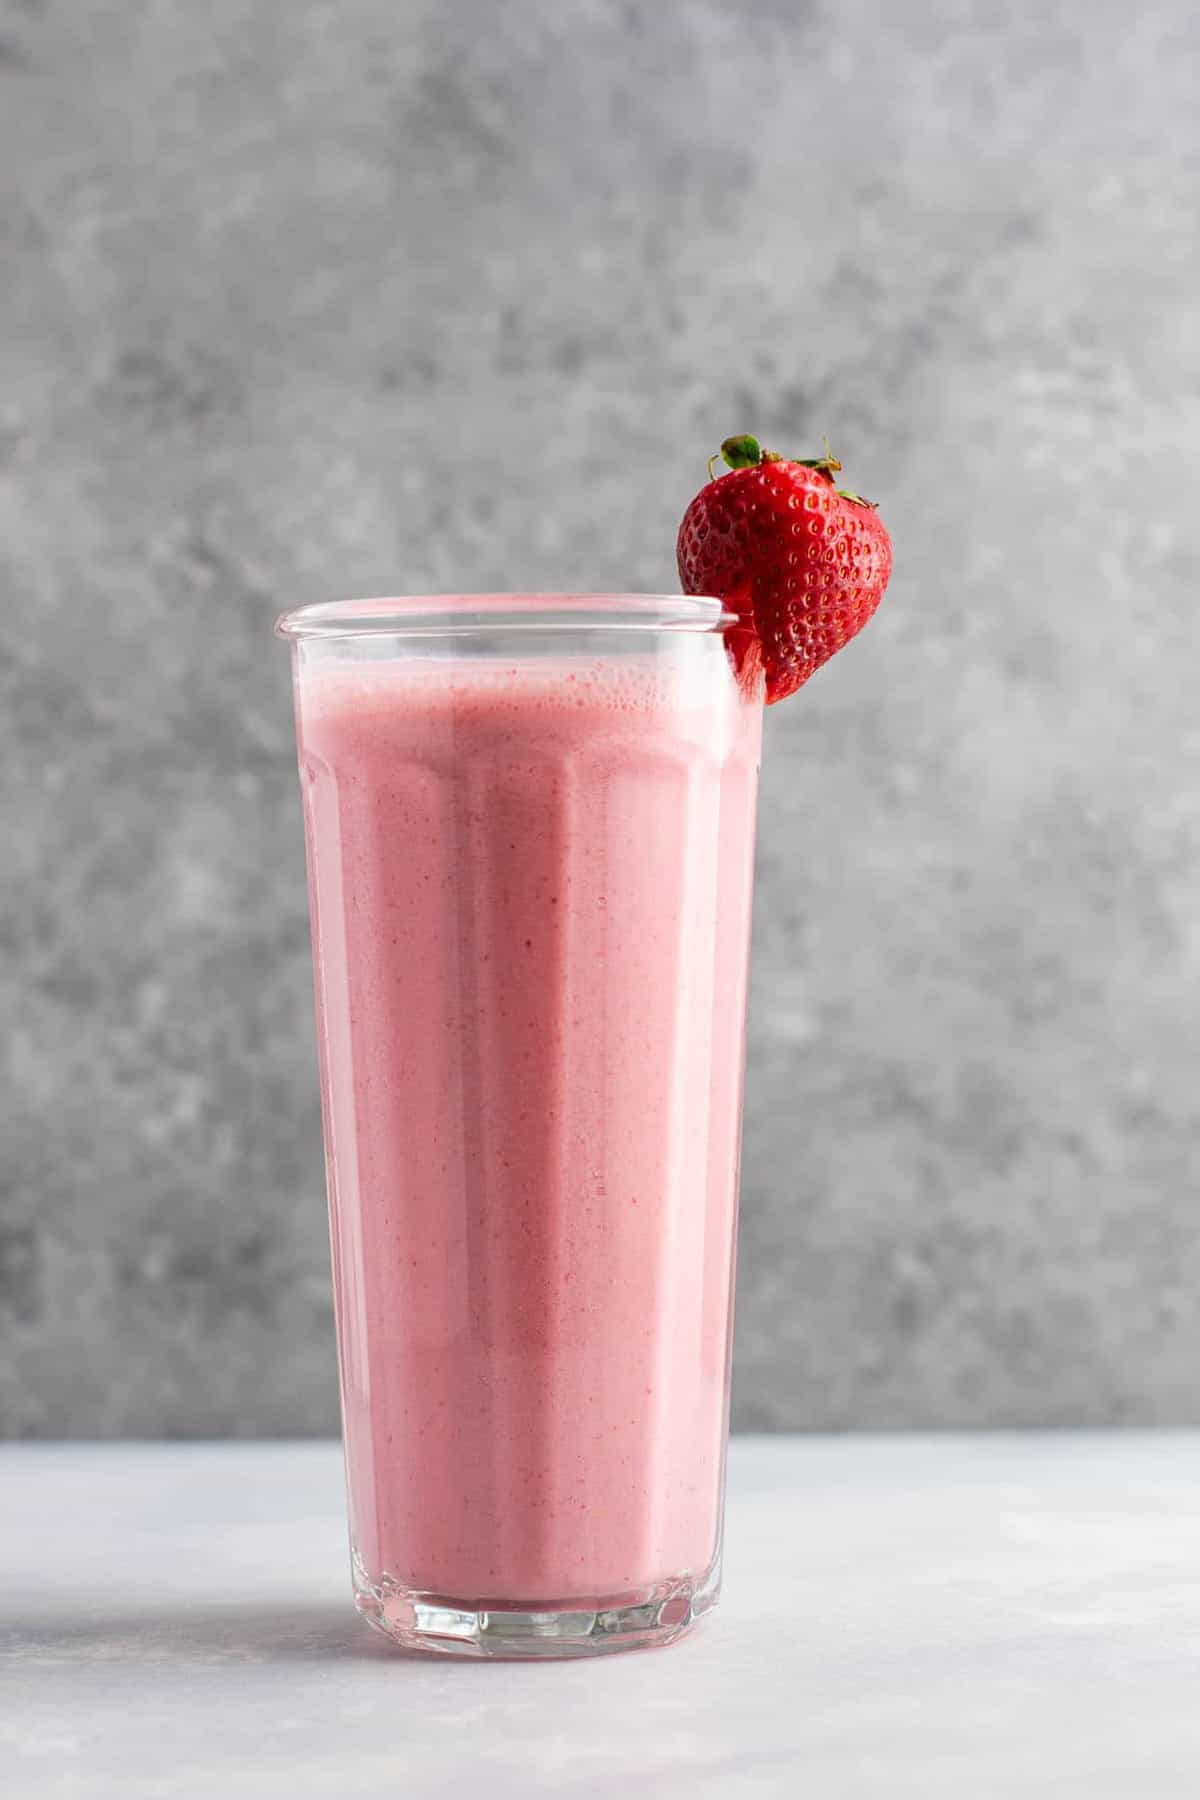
[802, 562]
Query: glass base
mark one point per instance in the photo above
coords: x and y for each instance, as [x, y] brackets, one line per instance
[447, 1626]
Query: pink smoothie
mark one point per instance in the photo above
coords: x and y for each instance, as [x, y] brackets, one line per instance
[531, 905]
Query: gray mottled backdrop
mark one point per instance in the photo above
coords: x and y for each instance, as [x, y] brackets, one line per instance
[307, 298]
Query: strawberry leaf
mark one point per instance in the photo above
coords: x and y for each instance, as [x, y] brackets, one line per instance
[741, 452]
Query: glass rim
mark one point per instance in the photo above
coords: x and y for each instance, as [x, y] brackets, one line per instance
[448, 615]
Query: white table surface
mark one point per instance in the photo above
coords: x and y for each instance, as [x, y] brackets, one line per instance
[971, 1617]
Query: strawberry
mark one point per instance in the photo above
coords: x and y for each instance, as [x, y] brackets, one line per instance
[803, 563]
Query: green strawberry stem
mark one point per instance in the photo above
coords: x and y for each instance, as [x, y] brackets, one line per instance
[745, 452]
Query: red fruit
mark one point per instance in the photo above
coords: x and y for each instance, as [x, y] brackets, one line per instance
[803, 564]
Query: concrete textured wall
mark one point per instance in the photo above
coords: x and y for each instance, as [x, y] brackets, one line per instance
[303, 299]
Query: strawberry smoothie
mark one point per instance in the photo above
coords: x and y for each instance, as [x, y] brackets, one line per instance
[530, 877]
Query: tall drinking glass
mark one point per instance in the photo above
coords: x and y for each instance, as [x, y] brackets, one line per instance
[530, 825]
